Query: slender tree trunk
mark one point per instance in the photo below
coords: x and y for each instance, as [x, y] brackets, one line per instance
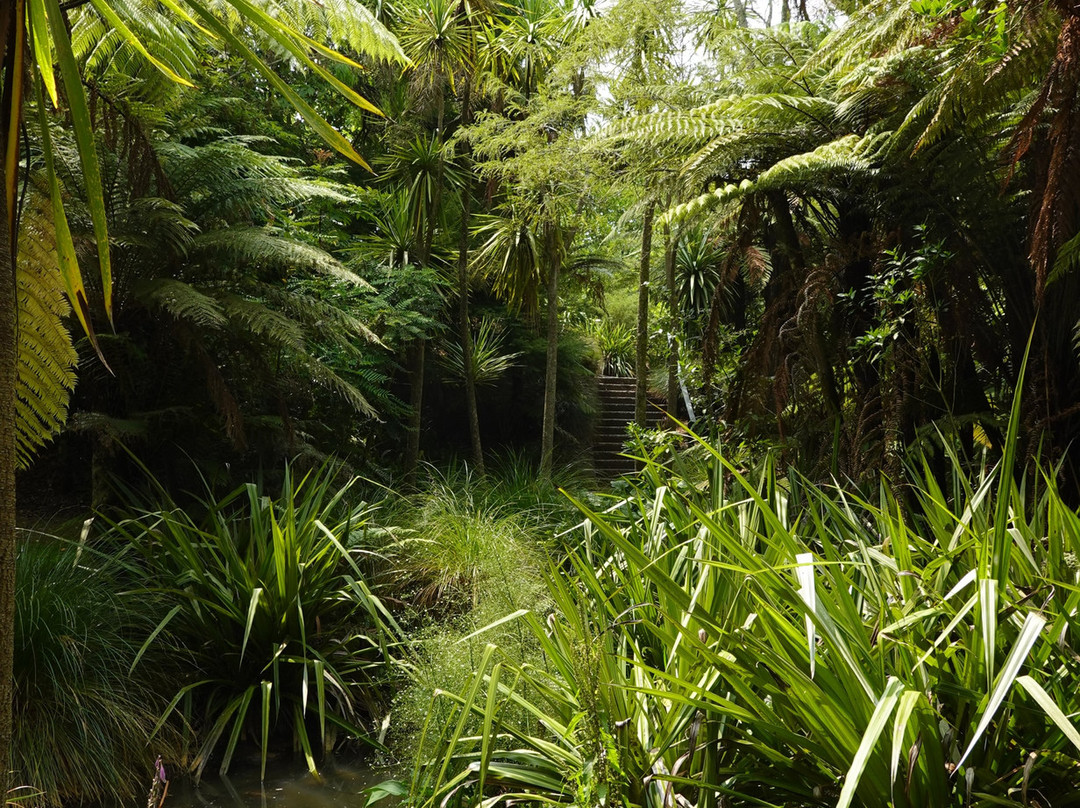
[740, 13]
[785, 11]
[466, 331]
[673, 326]
[8, 377]
[11, 20]
[463, 296]
[416, 364]
[551, 371]
[641, 365]
[416, 403]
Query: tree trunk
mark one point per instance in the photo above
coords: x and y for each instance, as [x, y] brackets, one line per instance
[785, 11]
[416, 364]
[8, 377]
[466, 331]
[547, 435]
[463, 296]
[11, 20]
[673, 325]
[641, 365]
[416, 402]
[740, 13]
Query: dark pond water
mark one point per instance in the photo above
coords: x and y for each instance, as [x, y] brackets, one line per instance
[287, 786]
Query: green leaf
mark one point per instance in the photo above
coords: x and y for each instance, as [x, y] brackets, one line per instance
[105, 10]
[332, 137]
[874, 729]
[266, 687]
[1051, 708]
[83, 128]
[1029, 634]
[253, 605]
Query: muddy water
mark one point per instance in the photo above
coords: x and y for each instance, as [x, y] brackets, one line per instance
[286, 786]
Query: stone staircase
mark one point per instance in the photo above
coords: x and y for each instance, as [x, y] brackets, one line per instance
[616, 411]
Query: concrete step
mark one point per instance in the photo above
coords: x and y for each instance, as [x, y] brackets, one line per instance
[618, 406]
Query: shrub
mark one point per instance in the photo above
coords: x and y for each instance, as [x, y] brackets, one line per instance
[468, 552]
[760, 639]
[274, 608]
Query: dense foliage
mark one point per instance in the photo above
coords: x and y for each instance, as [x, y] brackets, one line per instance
[841, 239]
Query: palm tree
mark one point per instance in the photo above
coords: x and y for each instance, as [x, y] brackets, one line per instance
[37, 61]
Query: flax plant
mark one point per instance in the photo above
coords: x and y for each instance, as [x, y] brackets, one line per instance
[751, 638]
[274, 606]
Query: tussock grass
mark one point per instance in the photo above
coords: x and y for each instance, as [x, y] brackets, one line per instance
[82, 724]
[272, 602]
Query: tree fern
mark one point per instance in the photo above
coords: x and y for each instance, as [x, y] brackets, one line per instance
[845, 158]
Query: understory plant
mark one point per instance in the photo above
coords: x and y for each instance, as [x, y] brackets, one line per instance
[268, 596]
[467, 552]
[757, 639]
[615, 342]
[82, 724]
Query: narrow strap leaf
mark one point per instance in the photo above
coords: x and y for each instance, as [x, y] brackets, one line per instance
[70, 275]
[38, 21]
[267, 687]
[804, 571]
[1033, 625]
[82, 126]
[1056, 714]
[874, 730]
[14, 117]
[253, 605]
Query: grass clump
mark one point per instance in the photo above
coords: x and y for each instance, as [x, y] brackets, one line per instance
[82, 723]
[467, 553]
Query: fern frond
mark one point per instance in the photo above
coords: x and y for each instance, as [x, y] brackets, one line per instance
[264, 323]
[848, 156]
[347, 24]
[328, 320]
[323, 376]
[263, 247]
[182, 301]
[46, 369]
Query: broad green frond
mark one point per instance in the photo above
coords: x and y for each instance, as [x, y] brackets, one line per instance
[848, 156]
[333, 323]
[325, 377]
[265, 324]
